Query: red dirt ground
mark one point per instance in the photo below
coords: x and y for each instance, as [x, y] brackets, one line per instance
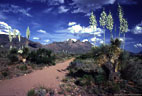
[48, 77]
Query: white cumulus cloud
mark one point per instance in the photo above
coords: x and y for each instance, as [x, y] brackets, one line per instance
[36, 38]
[62, 9]
[85, 40]
[78, 29]
[46, 40]
[137, 29]
[71, 23]
[95, 39]
[5, 28]
[41, 31]
[72, 39]
[138, 45]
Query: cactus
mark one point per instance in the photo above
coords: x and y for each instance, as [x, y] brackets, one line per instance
[102, 21]
[93, 21]
[109, 25]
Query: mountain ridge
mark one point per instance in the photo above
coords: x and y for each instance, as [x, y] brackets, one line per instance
[70, 46]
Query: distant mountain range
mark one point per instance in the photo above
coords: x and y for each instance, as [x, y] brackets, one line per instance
[70, 46]
[4, 42]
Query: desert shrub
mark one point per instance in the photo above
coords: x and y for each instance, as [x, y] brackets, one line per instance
[114, 88]
[23, 67]
[79, 67]
[99, 79]
[86, 80]
[103, 49]
[25, 52]
[32, 56]
[115, 42]
[132, 72]
[13, 55]
[42, 56]
[123, 59]
[4, 74]
[3, 52]
[85, 56]
[31, 93]
[108, 50]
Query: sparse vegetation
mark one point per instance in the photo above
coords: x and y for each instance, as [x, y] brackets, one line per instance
[23, 67]
[31, 93]
[106, 69]
[42, 56]
[13, 55]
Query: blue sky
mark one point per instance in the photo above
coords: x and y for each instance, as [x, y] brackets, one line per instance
[59, 20]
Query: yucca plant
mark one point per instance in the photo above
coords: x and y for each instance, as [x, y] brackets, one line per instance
[110, 23]
[102, 21]
[14, 33]
[120, 11]
[27, 35]
[10, 39]
[19, 36]
[124, 30]
[93, 22]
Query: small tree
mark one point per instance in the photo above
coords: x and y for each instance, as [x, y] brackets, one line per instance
[109, 25]
[102, 21]
[27, 35]
[93, 22]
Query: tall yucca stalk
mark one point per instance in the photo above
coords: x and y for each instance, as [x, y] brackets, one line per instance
[10, 39]
[109, 24]
[124, 30]
[93, 22]
[102, 21]
[27, 35]
[120, 11]
[14, 33]
[19, 36]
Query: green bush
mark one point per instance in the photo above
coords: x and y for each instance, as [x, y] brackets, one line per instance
[42, 56]
[103, 49]
[115, 42]
[100, 79]
[115, 88]
[85, 56]
[25, 52]
[13, 55]
[86, 80]
[4, 73]
[23, 67]
[31, 93]
[124, 59]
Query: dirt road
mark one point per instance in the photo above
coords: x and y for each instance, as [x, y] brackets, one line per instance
[48, 77]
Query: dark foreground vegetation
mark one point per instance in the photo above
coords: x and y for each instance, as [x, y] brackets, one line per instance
[106, 70]
[16, 62]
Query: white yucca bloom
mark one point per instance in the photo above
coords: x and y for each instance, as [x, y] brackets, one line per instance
[20, 51]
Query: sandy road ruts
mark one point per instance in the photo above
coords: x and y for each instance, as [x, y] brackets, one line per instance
[46, 77]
